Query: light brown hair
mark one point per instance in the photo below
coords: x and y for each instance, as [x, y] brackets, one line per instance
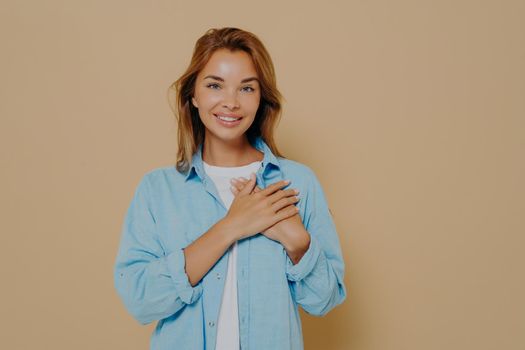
[190, 127]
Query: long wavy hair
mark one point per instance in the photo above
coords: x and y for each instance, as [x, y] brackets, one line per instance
[190, 127]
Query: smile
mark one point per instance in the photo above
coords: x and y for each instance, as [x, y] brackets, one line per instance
[228, 121]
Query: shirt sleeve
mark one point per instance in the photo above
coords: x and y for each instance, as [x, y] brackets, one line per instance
[151, 284]
[316, 281]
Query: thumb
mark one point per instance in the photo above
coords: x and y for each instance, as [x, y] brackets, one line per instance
[247, 189]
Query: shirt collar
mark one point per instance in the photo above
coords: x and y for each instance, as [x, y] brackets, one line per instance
[197, 167]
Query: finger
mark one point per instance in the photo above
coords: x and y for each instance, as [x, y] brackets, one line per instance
[284, 202]
[249, 185]
[241, 180]
[274, 187]
[279, 194]
[234, 190]
[236, 180]
[239, 186]
[286, 212]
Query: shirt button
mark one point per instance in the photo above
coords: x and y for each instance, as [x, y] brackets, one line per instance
[211, 323]
[218, 276]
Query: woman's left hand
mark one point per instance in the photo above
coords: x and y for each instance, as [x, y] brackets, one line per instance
[289, 232]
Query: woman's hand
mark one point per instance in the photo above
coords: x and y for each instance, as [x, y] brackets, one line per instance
[283, 231]
[253, 212]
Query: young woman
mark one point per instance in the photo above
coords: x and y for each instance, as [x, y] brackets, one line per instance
[224, 264]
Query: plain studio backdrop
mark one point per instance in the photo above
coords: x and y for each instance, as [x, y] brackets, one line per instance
[411, 113]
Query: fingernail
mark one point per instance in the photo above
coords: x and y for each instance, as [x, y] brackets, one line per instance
[296, 191]
[286, 181]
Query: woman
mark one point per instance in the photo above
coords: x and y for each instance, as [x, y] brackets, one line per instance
[220, 264]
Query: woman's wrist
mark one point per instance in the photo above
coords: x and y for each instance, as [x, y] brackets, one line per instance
[296, 245]
[228, 229]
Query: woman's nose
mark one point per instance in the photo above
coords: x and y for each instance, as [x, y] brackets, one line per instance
[230, 100]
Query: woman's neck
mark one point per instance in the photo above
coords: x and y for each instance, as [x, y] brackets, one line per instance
[230, 153]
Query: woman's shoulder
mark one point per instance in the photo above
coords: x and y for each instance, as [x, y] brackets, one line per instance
[290, 167]
[162, 176]
[302, 176]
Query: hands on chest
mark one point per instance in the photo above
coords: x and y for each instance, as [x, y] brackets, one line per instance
[288, 228]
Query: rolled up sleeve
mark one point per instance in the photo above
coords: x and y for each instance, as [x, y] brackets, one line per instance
[152, 285]
[316, 281]
[307, 263]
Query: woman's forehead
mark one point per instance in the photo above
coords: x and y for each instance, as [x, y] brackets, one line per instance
[223, 65]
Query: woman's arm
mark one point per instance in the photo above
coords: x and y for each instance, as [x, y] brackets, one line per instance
[247, 215]
[315, 266]
[154, 285]
[204, 252]
[316, 281]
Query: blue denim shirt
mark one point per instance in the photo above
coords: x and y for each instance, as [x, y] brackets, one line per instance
[170, 210]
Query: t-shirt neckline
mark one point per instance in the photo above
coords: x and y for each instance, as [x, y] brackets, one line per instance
[223, 170]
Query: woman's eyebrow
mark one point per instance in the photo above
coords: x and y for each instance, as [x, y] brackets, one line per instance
[221, 79]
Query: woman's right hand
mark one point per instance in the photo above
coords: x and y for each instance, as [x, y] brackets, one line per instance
[251, 213]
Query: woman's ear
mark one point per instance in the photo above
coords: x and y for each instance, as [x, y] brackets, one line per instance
[194, 102]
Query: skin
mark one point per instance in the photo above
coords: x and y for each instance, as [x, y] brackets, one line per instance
[271, 210]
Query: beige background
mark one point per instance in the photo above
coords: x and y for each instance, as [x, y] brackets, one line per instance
[410, 112]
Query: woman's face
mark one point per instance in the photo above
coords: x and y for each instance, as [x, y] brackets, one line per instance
[227, 86]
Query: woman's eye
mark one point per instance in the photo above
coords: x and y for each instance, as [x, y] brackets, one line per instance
[215, 86]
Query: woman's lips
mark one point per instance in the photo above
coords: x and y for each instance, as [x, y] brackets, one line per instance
[226, 123]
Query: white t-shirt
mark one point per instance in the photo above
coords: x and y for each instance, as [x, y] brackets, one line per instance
[228, 321]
